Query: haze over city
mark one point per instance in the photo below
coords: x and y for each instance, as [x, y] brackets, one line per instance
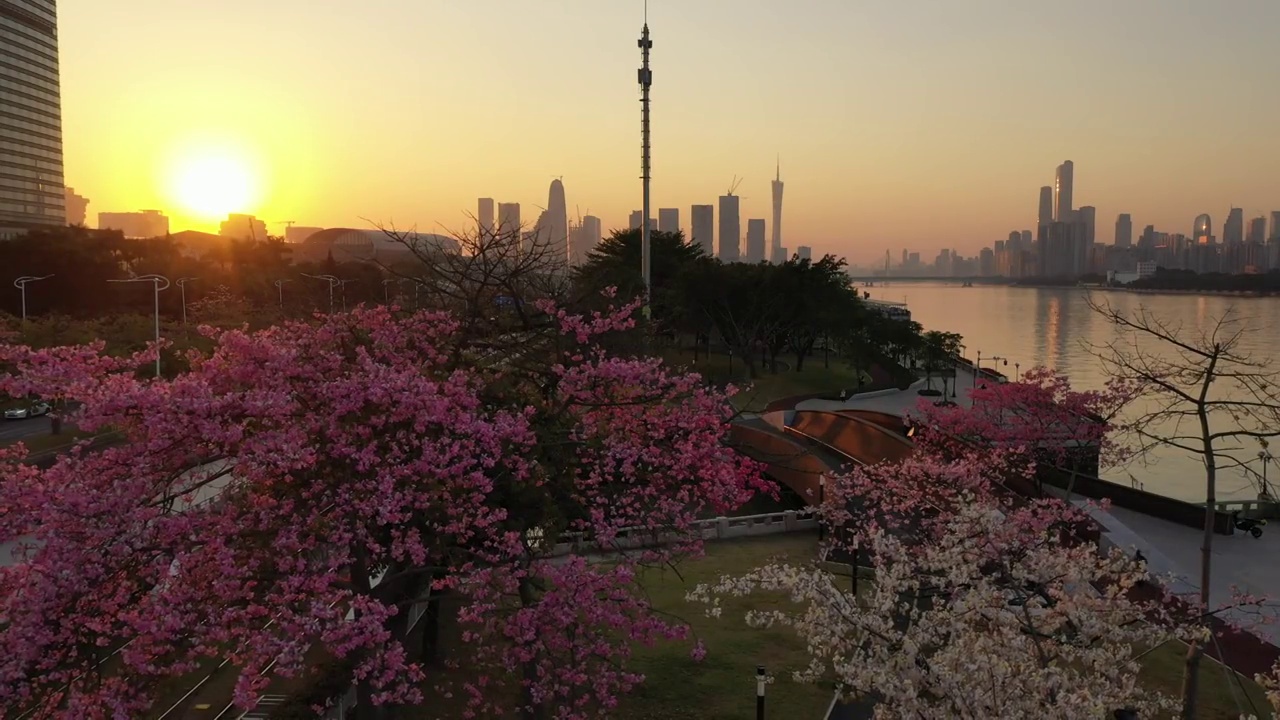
[927, 125]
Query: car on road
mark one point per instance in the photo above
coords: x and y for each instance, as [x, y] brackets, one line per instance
[30, 411]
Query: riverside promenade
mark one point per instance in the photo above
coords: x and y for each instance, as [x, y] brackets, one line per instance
[1172, 550]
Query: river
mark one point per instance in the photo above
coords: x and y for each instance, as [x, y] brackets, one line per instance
[1054, 327]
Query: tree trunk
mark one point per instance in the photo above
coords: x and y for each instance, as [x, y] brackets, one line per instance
[1195, 649]
[528, 710]
[799, 361]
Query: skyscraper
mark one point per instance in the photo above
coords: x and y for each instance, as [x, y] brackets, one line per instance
[1233, 229]
[1062, 189]
[730, 229]
[804, 252]
[755, 240]
[555, 230]
[636, 218]
[1026, 240]
[1204, 230]
[31, 184]
[509, 219]
[704, 228]
[1257, 232]
[1124, 231]
[1046, 205]
[1275, 224]
[583, 239]
[145, 224]
[669, 220]
[775, 247]
[484, 216]
[1089, 216]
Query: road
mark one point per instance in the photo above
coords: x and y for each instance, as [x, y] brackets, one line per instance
[12, 431]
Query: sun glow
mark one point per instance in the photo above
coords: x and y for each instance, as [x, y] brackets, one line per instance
[212, 182]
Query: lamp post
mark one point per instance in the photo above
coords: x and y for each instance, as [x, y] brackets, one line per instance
[1017, 370]
[280, 289]
[333, 283]
[997, 358]
[1266, 457]
[182, 286]
[342, 287]
[21, 284]
[156, 281]
[822, 498]
[386, 291]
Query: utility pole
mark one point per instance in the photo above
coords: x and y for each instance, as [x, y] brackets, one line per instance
[646, 80]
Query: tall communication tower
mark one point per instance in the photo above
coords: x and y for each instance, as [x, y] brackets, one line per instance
[646, 80]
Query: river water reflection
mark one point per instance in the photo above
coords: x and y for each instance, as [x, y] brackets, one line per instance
[1054, 327]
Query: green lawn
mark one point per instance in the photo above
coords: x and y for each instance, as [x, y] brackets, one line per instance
[1162, 670]
[755, 394]
[722, 686]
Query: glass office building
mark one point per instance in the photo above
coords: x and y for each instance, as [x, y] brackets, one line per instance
[31, 183]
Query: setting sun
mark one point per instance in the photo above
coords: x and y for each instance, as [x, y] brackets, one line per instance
[214, 182]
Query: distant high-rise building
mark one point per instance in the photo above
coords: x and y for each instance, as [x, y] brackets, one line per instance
[1063, 187]
[77, 206]
[804, 252]
[145, 224]
[591, 232]
[1026, 239]
[298, 233]
[779, 256]
[1204, 230]
[554, 230]
[1233, 229]
[637, 217]
[704, 228]
[583, 239]
[31, 183]
[1089, 216]
[1275, 224]
[509, 219]
[669, 220]
[243, 227]
[755, 240]
[730, 229]
[1124, 231]
[484, 216]
[1257, 232]
[1046, 205]
[1015, 237]
[776, 245]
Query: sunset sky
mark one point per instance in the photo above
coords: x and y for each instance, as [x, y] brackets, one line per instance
[909, 123]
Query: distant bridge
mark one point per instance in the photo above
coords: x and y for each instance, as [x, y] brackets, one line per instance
[917, 279]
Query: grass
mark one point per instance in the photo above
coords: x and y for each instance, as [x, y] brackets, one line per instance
[722, 686]
[1162, 671]
[755, 394]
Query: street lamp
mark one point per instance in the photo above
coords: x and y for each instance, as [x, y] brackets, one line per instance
[977, 370]
[1266, 457]
[280, 289]
[21, 284]
[182, 285]
[156, 281]
[386, 290]
[333, 283]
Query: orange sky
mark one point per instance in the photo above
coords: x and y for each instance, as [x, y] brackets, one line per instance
[923, 125]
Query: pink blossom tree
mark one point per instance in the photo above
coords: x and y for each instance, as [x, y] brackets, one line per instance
[314, 485]
[1040, 415]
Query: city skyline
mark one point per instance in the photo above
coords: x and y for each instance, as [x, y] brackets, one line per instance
[909, 176]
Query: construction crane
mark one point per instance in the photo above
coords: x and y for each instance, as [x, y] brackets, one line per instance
[286, 223]
[733, 186]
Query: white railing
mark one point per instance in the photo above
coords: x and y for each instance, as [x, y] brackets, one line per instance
[719, 528]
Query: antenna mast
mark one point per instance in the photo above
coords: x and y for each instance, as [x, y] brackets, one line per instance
[646, 80]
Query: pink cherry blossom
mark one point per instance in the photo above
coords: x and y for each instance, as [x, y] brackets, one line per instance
[312, 484]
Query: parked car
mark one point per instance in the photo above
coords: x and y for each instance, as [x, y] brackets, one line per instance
[33, 410]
